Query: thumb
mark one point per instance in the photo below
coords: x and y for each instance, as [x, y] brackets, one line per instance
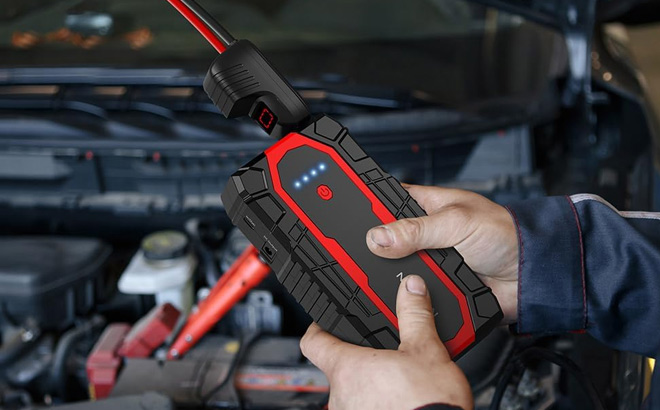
[444, 229]
[416, 318]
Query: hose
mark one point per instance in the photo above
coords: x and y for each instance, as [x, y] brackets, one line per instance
[58, 376]
[207, 260]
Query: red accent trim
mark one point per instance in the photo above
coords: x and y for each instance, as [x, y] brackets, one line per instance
[199, 25]
[274, 155]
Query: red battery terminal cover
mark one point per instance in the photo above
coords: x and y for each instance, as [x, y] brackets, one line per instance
[150, 331]
[103, 363]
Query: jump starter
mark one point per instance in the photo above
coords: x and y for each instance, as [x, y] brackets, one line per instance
[307, 202]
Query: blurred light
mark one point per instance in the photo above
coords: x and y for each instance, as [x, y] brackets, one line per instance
[297, 184]
[305, 178]
[322, 166]
[30, 89]
[313, 172]
[111, 91]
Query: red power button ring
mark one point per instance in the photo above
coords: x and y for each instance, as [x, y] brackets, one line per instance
[324, 192]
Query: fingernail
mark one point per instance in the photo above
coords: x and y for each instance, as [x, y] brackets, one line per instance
[416, 285]
[381, 236]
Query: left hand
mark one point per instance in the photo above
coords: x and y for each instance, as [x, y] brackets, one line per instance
[420, 372]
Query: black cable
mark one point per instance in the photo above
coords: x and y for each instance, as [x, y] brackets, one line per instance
[246, 341]
[58, 376]
[208, 263]
[223, 35]
[518, 363]
[513, 366]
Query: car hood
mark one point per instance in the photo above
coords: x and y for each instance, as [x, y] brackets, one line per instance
[564, 14]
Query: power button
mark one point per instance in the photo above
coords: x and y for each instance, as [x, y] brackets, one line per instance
[324, 192]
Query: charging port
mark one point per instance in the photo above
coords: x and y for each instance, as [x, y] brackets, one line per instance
[268, 252]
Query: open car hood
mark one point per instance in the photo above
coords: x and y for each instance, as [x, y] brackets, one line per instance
[576, 20]
[563, 14]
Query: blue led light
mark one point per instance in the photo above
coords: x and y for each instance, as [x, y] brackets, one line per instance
[322, 166]
[297, 184]
[305, 178]
[313, 172]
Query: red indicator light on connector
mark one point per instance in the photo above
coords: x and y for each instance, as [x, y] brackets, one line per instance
[265, 117]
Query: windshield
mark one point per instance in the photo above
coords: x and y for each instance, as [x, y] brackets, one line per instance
[446, 51]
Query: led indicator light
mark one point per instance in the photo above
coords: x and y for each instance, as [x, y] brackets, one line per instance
[305, 178]
[266, 118]
[313, 172]
[297, 184]
[322, 166]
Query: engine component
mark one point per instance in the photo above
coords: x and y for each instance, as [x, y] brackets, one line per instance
[200, 232]
[50, 280]
[16, 341]
[146, 401]
[33, 365]
[234, 246]
[163, 267]
[68, 343]
[150, 332]
[103, 363]
[269, 376]
[258, 314]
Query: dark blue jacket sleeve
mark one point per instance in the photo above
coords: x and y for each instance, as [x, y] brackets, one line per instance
[586, 266]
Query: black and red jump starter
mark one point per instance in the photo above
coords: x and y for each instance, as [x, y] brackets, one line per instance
[308, 201]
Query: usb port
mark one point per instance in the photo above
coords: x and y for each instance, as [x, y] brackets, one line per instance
[249, 222]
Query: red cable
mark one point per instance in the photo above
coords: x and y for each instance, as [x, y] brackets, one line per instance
[199, 25]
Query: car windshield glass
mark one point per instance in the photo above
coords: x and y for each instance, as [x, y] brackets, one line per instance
[448, 51]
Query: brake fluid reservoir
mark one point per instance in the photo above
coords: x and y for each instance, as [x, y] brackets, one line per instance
[163, 266]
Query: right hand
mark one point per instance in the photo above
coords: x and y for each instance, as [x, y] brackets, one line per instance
[482, 231]
[418, 373]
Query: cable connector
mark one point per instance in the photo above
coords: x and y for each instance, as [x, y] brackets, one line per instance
[241, 82]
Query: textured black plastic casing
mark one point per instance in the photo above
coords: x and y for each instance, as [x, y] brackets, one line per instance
[319, 282]
[241, 82]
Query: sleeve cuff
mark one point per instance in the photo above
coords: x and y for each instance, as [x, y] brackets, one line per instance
[551, 275]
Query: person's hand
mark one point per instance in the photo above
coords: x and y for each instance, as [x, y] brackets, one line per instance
[480, 230]
[420, 372]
